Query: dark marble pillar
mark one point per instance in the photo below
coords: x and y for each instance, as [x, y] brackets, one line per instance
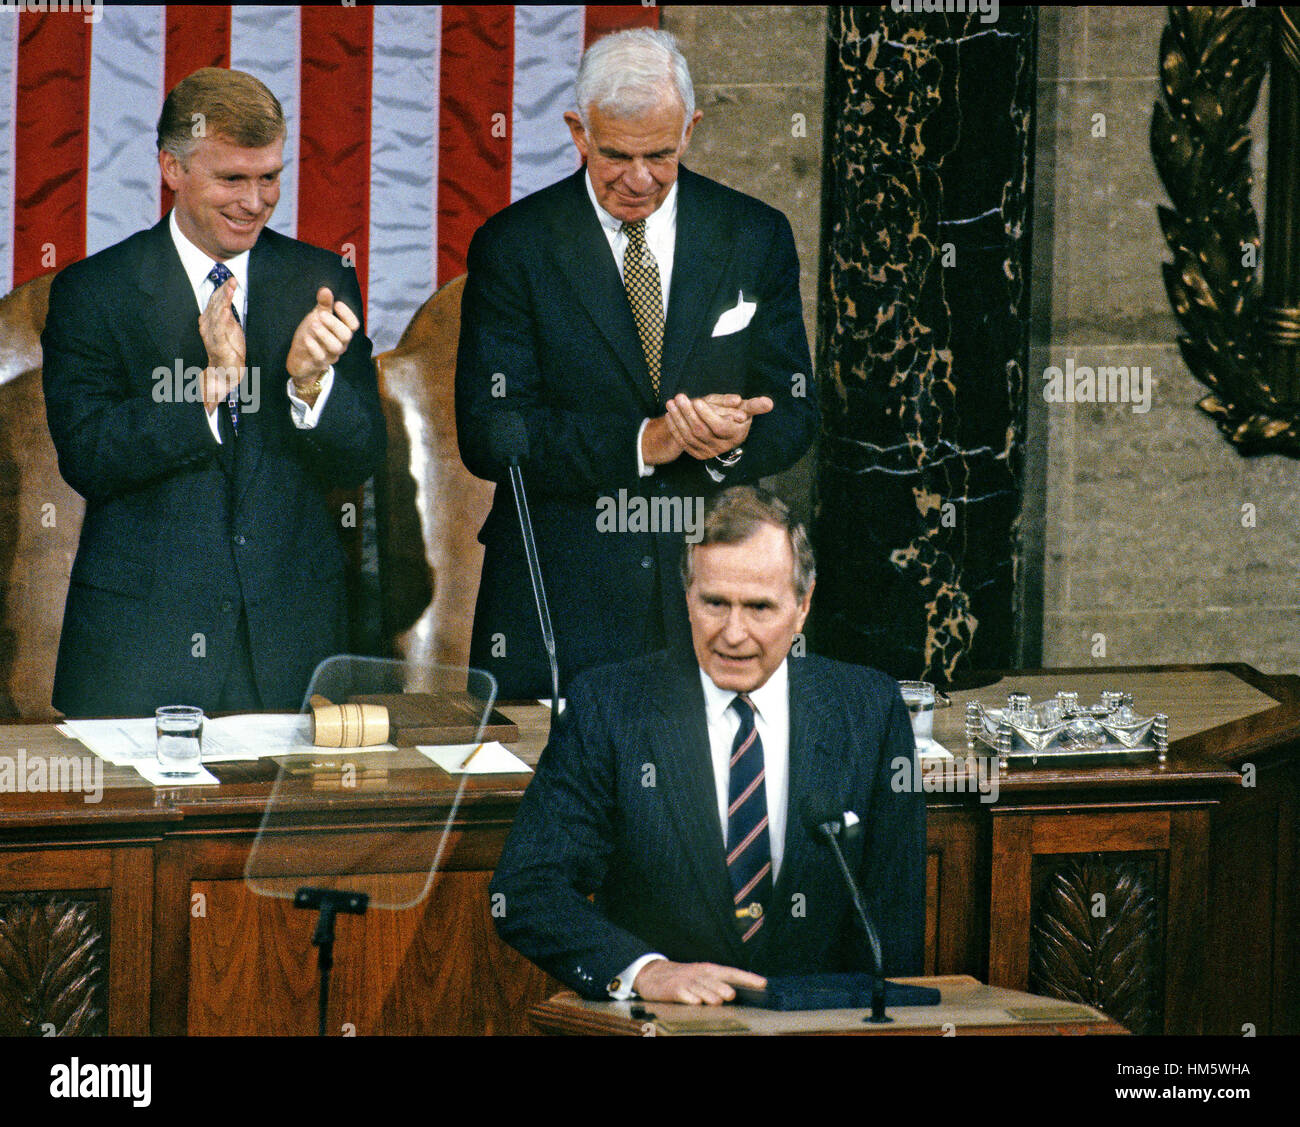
[923, 337]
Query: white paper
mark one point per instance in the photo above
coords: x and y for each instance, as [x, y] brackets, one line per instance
[121, 742]
[494, 759]
[225, 740]
[932, 749]
[151, 769]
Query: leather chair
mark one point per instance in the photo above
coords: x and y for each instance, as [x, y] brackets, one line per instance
[429, 506]
[40, 514]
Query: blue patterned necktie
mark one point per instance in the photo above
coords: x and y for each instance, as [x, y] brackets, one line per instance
[749, 854]
[218, 276]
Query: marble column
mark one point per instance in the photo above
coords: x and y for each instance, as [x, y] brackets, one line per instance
[923, 337]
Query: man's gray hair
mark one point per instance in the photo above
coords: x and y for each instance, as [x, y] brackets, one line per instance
[735, 514]
[628, 73]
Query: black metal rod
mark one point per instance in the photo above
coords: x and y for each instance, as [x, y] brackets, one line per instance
[877, 1016]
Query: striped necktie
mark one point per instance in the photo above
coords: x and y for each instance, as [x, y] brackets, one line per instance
[645, 295]
[749, 855]
[218, 276]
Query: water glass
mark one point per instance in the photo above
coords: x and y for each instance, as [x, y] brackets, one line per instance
[179, 729]
[919, 698]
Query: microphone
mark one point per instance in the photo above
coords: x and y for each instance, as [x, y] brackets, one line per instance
[823, 821]
[508, 442]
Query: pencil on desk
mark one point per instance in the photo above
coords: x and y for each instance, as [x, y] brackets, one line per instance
[470, 757]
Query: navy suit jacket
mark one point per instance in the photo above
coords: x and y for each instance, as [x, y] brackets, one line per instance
[624, 806]
[180, 532]
[547, 331]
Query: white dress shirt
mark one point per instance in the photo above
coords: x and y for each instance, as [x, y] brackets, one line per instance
[197, 265]
[771, 702]
[661, 238]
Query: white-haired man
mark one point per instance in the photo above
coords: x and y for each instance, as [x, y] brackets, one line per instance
[645, 323]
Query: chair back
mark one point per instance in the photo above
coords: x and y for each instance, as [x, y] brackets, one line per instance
[429, 506]
[40, 515]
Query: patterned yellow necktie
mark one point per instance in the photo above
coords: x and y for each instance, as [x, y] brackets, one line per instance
[641, 279]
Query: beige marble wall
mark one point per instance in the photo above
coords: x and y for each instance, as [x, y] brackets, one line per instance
[1143, 542]
[754, 70]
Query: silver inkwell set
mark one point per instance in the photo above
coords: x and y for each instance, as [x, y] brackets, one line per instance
[1060, 732]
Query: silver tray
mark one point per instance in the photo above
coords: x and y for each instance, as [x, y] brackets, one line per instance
[1060, 732]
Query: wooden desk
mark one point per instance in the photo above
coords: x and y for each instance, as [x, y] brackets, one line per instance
[135, 914]
[1182, 875]
[966, 1006]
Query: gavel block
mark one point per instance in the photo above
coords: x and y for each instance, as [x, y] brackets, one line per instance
[438, 718]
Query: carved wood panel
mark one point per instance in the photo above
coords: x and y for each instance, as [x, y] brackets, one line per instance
[53, 964]
[1097, 936]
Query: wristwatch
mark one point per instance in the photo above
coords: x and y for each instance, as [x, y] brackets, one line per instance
[730, 458]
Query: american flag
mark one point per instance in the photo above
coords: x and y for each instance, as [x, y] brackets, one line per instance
[407, 126]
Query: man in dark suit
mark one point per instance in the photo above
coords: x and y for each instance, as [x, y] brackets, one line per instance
[645, 323]
[675, 788]
[206, 382]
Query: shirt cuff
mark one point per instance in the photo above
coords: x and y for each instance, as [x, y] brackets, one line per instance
[304, 417]
[213, 421]
[641, 468]
[621, 988]
[715, 473]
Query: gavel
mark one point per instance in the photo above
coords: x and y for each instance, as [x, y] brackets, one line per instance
[347, 725]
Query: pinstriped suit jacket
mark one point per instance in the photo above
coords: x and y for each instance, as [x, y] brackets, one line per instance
[623, 806]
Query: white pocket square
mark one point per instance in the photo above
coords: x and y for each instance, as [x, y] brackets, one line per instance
[735, 318]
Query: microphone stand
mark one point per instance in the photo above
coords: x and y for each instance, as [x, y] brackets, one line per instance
[328, 902]
[877, 1015]
[539, 589]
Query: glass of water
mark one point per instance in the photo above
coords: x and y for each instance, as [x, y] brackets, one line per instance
[179, 745]
[919, 698]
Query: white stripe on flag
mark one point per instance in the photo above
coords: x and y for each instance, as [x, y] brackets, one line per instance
[548, 45]
[8, 142]
[403, 168]
[265, 41]
[126, 92]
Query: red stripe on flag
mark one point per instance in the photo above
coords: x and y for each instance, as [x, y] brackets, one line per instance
[51, 138]
[477, 82]
[197, 35]
[51, 133]
[604, 18]
[334, 149]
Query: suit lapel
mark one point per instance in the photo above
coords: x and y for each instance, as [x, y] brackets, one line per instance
[685, 766]
[701, 250]
[581, 251]
[169, 312]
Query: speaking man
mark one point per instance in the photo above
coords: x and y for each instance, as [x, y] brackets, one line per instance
[675, 788]
[206, 382]
[645, 323]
